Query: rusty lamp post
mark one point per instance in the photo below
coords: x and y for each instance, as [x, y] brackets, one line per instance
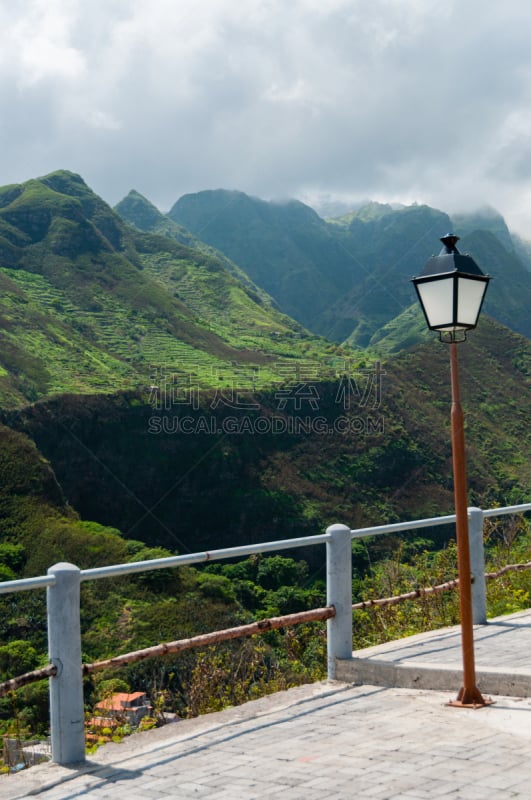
[451, 289]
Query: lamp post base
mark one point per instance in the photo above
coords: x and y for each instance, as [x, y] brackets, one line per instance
[470, 698]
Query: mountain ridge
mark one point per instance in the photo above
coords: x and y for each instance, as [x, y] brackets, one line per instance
[152, 402]
[381, 454]
[346, 278]
[90, 304]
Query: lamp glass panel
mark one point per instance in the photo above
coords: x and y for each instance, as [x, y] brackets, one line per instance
[469, 296]
[437, 297]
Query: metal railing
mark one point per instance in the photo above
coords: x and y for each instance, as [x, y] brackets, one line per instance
[63, 581]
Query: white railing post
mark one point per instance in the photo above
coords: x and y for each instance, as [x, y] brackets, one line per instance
[477, 566]
[339, 595]
[64, 648]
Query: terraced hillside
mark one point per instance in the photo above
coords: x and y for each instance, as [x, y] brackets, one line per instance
[88, 304]
[348, 277]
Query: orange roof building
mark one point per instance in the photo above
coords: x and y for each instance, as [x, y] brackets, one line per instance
[131, 707]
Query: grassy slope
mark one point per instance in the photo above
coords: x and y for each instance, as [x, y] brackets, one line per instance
[347, 278]
[286, 248]
[89, 305]
[218, 489]
[80, 295]
[331, 277]
[141, 214]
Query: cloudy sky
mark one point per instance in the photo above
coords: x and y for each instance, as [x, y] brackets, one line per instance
[394, 100]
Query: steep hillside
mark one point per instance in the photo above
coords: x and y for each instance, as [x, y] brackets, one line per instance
[523, 250]
[371, 447]
[393, 245]
[37, 526]
[284, 247]
[141, 214]
[484, 219]
[347, 278]
[87, 304]
[402, 333]
[508, 297]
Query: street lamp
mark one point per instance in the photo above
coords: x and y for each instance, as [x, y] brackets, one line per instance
[451, 288]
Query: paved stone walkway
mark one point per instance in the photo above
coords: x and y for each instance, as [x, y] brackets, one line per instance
[317, 742]
[332, 740]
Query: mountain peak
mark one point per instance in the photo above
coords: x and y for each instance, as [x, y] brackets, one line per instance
[65, 182]
[484, 219]
[139, 211]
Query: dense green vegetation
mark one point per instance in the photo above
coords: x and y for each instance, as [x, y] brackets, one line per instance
[87, 304]
[39, 528]
[142, 610]
[154, 400]
[124, 462]
[348, 277]
[142, 215]
[285, 248]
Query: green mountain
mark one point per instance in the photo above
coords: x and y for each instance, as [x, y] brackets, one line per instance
[347, 278]
[141, 214]
[523, 250]
[392, 244]
[484, 219]
[150, 399]
[122, 334]
[284, 247]
[88, 304]
[370, 447]
[411, 234]
[401, 333]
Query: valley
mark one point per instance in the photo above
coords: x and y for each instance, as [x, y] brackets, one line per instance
[233, 372]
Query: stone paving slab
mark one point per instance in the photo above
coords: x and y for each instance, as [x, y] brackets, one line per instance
[325, 741]
[433, 660]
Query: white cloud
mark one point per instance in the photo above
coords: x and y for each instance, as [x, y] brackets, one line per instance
[36, 46]
[411, 99]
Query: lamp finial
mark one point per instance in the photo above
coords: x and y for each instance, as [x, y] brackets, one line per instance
[449, 241]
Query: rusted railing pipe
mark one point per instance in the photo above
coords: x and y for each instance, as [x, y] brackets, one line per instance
[208, 639]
